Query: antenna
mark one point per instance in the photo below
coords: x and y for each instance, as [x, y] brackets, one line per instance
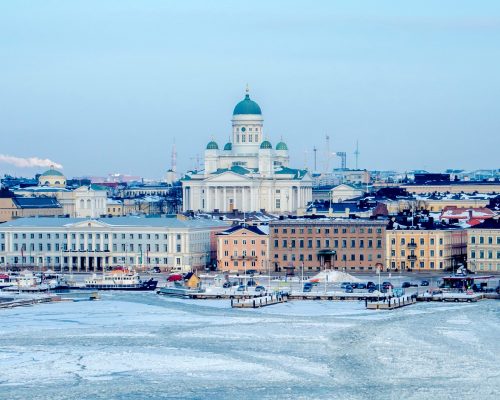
[356, 154]
[327, 154]
[315, 151]
[343, 159]
[173, 158]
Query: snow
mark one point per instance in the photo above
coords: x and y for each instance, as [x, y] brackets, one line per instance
[141, 345]
[335, 276]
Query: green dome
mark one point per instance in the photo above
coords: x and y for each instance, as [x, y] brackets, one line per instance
[247, 106]
[212, 146]
[228, 146]
[281, 146]
[266, 145]
[52, 172]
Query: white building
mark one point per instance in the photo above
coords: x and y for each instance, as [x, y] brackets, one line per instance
[75, 244]
[248, 174]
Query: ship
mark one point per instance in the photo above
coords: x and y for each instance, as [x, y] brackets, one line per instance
[119, 280]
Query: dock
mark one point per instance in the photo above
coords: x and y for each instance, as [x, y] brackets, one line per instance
[456, 297]
[258, 302]
[392, 303]
[11, 302]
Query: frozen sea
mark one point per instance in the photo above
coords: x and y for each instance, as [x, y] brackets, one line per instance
[144, 346]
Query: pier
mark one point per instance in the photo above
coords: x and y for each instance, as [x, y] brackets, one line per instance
[392, 303]
[257, 302]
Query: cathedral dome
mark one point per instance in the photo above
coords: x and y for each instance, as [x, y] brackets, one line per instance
[228, 146]
[266, 145]
[281, 146]
[212, 146]
[247, 106]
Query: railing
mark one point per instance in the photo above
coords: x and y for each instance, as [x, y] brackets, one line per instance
[250, 258]
[412, 245]
[412, 258]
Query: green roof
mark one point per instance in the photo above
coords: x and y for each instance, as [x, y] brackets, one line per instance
[281, 146]
[247, 106]
[212, 146]
[266, 145]
[52, 172]
[297, 173]
[228, 146]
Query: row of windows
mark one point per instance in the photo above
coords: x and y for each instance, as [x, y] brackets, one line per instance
[292, 243]
[244, 241]
[412, 265]
[482, 254]
[249, 136]
[326, 231]
[64, 247]
[432, 253]
[244, 253]
[57, 260]
[243, 264]
[91, 235]
[432, 241]
[352, 257]
[481, 240]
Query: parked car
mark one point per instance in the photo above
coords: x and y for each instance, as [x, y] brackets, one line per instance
[227, 285]
[361, 286]
[155, 270]
[349, 289]
[406, 285]
[424, 283]
[241, 288]
[251, 282]
[343, 285]
[370, 285]
[251, 272]
[354, 285]
[260, 288]
[307, 287]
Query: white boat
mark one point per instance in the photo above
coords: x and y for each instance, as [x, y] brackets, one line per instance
[179, 290]
[28, 282]
[119, 280]
[5, 281]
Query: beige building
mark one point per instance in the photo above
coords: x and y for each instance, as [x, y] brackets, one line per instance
[344, 192]
[483, 246]
[19, 207]
[52, 178]
[242, 248]
[425, 250]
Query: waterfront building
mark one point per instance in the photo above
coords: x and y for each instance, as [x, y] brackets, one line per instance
[247, 174]
[314, 244]
[343, 192]
[52, 178]
[242, 248]
[483, 246]
[425, 249]
[82, 244]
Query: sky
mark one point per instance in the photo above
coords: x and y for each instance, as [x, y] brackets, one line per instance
[108, 86]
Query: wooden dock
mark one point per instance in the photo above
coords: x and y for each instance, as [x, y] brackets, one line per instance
[257, 302]
[392, 303]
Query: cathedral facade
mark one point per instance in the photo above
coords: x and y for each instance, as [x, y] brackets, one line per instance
[248, 173]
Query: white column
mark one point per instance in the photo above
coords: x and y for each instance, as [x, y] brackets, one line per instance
[224, 200]
[207, 198]
[243, 198]
[234, 197]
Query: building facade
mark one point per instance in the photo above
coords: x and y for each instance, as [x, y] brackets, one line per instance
[242, 248]
[80, 244]
[425, 249]
[483, 246]
[248, 174]
[314, 244]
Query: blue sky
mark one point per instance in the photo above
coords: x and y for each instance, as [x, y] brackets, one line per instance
[105, 86]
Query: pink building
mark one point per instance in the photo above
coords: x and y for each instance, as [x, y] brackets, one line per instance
[242, 248]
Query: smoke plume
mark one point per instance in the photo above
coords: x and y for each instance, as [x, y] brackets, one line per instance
[29, 162]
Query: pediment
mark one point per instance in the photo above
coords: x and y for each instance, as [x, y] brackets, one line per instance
[90, 223]
[227, 176]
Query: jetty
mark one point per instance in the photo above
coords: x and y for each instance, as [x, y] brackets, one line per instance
[258, 302]
[392, 303]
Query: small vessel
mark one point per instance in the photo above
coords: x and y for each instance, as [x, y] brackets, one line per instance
[179, 290]
[5, 281]
[28, 282]
[119, 280]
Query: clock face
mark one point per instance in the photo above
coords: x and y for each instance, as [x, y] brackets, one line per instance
[243, 129]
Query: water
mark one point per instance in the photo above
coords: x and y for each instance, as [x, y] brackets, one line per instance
[140, 345]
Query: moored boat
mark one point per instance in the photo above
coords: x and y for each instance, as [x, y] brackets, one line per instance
[119, 280]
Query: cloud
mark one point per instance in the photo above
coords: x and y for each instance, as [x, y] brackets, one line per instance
[29, 162]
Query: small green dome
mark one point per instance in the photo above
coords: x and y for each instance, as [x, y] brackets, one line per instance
[247, 106]
[281, 146]
[212, 146]
[228, 146]
[266, 145]
[52, 172]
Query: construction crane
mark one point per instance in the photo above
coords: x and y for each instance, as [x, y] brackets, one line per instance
[356, 154]
[343, 159]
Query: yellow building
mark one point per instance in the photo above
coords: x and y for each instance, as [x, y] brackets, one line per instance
[425, 250]
[52, 178]
[483, 246]
[19, 207]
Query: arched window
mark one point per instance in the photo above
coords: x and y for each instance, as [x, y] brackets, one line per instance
[88, 204]
[82, 203]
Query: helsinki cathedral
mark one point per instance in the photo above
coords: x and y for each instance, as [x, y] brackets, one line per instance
[248, 173]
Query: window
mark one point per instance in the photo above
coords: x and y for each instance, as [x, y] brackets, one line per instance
[285, 243]
[278, 203]
[403, 241]
[309, 243]
[481, 240]
[421, 241]
[353, 243]
[361, 243]
[344, 243]
[276, 243]
[432, 241]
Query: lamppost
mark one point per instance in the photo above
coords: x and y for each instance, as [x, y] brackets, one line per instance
[379, 269]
